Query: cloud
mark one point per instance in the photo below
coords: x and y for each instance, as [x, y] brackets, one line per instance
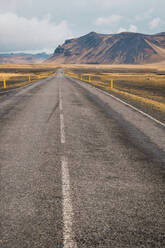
[110, 20]
[120, 30]
[145, 15]
[131, 28]
[111, 3]
[25, 25]
[20, 33]
[154, 23]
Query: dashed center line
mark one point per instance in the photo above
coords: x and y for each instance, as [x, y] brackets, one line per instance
[67, 207]
[61, 119]
[62, 129]
[67, 203]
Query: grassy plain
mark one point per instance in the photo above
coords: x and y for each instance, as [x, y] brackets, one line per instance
[18, 75]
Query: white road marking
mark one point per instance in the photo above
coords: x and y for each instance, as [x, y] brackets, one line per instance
[67, 203]
[60, 99]
[22, 87]
[62, 128]
[67, 206]
[129, 105]
[134, 108]
[17, 88]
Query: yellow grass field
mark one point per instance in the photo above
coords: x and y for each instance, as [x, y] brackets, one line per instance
[18, 75]
[8, 76]
[159, 67]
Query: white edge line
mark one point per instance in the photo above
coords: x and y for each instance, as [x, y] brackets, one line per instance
[21, 87]
[134, 108]
[129, 105]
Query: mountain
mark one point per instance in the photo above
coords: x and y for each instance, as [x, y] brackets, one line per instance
[122, 48]
[23, 58]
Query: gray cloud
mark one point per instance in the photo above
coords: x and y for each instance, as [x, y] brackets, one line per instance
[22, 33]
[50, 22]
[154, 23]
[108, 20]
[131, 28]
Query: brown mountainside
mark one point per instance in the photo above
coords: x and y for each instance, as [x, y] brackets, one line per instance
[123, 48]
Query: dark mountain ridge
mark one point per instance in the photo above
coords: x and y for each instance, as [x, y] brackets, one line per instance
[122, 48]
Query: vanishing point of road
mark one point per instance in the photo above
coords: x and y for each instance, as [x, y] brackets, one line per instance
[78, 169]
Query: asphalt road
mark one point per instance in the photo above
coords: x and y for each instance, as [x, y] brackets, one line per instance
[78, 169]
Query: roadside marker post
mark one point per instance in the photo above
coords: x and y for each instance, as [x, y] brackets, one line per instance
[89, 79]
[29, 79]
[111, 84]
[4, 84]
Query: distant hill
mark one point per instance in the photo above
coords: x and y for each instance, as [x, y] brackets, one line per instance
[23, 58]
[123, 48]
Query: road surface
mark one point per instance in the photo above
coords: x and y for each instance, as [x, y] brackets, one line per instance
[78, 169]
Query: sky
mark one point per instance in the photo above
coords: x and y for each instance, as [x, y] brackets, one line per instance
[41, 25]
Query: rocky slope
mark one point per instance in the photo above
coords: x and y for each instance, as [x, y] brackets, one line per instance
[123, 48]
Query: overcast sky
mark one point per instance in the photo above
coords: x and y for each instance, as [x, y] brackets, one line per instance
[44, 24]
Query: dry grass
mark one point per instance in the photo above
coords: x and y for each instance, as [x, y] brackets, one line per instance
[18, 75]
[151, 86]
[157, 67]
[8, 76]
[142, 100]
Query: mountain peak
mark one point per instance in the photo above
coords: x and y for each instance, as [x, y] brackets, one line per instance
[122, 48]
[91, 33]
